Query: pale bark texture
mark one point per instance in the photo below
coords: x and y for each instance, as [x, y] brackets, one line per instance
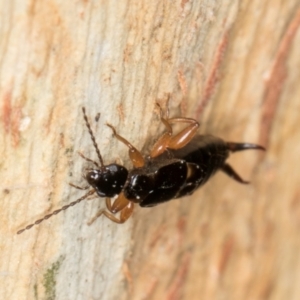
[232, 65]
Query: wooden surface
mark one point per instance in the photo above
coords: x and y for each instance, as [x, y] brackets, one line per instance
[232, 65]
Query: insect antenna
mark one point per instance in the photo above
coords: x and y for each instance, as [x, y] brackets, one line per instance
[55, 212]
[92, 136]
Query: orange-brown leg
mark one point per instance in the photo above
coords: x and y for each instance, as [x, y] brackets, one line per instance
[162, 142]
[167, 140]
[134, 155]
[121, 205]
[186, 135]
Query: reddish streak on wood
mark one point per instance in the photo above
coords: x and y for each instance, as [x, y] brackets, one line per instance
[183, 3]
[296, 200]
[128, 276]
[157, 235]
[11, 118]
[182, 82]
[151, 285]
[177, 284]
[226, 253]
[50, 120]
[127, 53]
[121, 112]
[181, 226]
[213, 77]
[183, 87]
[6, 110]
[62, 140]
[295, 207]
[16, 119]
[275, 82]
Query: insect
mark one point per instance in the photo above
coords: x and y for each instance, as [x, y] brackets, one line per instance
[177, 165]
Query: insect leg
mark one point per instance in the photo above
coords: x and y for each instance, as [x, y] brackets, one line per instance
[134, 155]
[121, 205]
[227, 169]
[179, 140]
[161, 144]
[186, 135]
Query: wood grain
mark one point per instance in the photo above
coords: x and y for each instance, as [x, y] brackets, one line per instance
[232, 65]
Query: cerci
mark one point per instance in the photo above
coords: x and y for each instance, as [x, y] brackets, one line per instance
[177, 165]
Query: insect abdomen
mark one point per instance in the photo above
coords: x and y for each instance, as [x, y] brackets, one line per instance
[204, 155]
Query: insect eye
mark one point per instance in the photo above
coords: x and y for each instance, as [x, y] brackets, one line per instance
[108, 181]
[92, 176]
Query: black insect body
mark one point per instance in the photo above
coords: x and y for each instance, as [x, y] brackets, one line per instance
[108, 181]
[164, 178]
[158, 181]
[205, 155]
[176, 166]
